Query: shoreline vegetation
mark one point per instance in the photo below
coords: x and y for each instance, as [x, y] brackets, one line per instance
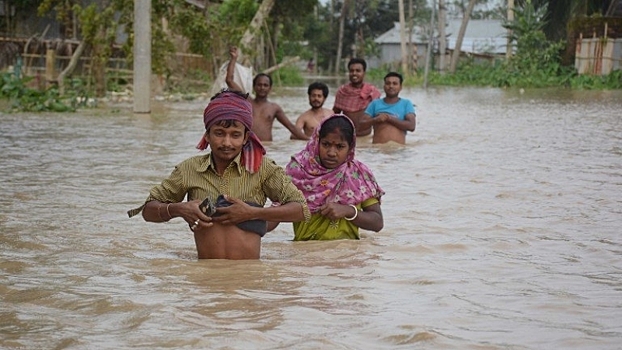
[21, 96]
[539, 58]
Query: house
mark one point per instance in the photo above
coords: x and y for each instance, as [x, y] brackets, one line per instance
[483, 38]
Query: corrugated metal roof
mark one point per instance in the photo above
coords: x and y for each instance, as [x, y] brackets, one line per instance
[392, 36]
[481, 36]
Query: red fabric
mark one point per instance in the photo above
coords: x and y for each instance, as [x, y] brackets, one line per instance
[230, 106]
[352, 99]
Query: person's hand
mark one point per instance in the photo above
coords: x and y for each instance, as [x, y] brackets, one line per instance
[382, 118]
[237, 212]
[336, 211]
[195, 218]
[233, 53]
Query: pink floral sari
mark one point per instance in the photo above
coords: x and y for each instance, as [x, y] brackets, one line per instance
[350, 183]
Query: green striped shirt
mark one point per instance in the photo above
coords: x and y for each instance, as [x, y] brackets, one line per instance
[196, 178]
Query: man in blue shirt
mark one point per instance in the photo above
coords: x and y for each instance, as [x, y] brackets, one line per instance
[392, 116]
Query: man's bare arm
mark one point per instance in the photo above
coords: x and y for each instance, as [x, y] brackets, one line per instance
[300, 125]
[233, 57]
[366, 121]
[280, 116]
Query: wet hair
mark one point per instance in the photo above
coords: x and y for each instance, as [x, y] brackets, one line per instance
[318, 86]
[262, 75]
[340, 124]
[358, 60]
[395, 74]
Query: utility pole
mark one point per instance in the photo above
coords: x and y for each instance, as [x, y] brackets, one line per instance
[142, 56]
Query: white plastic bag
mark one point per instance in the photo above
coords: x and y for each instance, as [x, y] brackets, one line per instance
[243, 76]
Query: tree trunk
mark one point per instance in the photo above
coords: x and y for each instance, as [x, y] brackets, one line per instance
[428, 51]
[70, 67]
[465, 21]
[251, 32]
[412, 48]
[99, 61]
[403, 39]
[276, 34]
[442, 38]
[342, 21]
[284, 63]
[508, 49]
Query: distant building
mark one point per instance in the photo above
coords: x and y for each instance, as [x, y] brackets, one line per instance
[483, 38]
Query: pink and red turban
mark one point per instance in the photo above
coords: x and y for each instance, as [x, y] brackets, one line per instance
[231, 106]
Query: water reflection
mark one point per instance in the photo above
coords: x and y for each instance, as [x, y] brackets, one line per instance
[502, 219]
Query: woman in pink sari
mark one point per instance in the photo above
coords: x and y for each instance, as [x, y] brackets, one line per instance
[341, 192]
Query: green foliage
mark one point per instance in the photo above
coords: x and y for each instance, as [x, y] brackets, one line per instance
[502, 74]
[535, 55]
[377, 74]
[288, 76]
[99, 29]
[291, 49]
[589, 82]
[317, 31]
[535, 63]
[162, 46]
[237, 12]
[24, 99]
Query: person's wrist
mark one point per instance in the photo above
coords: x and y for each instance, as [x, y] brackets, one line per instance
[356, 213]
[168, 211]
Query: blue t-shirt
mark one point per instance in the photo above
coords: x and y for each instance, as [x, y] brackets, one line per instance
[399, 109]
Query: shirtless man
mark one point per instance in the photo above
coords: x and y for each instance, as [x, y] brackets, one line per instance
[310, 119]
[392, 116]
[351, 99]
[264, 111]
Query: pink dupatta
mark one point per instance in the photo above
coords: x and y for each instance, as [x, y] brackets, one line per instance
[350, 183]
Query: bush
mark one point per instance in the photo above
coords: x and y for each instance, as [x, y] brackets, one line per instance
[22, 98]
[288, 76]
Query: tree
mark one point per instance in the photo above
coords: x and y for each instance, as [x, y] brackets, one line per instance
[535, 55]
[249, 35]
[403, 39]
[442, 38]
[97, 29]
[458, 47]
[342, 21]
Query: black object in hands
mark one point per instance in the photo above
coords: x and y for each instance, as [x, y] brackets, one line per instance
[207, 207]
[257, 226]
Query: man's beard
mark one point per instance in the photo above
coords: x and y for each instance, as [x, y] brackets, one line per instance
[316, 105]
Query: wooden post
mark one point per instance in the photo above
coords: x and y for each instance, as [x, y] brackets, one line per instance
[50, 74]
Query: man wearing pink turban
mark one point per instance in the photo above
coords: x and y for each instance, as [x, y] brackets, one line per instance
[235, 177]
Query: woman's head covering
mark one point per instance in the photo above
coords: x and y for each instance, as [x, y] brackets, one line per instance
[350, 183]
[229, 105]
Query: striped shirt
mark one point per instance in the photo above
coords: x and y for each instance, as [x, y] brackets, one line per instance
[196, 178]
